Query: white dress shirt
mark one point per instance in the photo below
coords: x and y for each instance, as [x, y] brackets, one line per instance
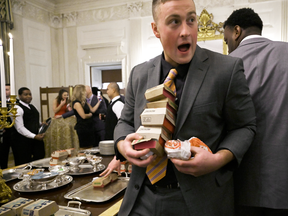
[117, 107]
[19, 124]
[250, 37]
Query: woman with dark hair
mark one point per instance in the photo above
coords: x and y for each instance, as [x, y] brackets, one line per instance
[61, 103]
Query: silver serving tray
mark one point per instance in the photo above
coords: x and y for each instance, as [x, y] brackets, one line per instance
[11, 174]
[22, 186]
[45, 163]
[94, 150]
[89, 194]
[86, 168]
[66, 210]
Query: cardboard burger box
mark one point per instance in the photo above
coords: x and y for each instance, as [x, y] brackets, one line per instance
[40, 207]
[6, 212]
[159, 92]
[152, 144]
[158, 133]
[164, 103]
[18, 204]
[158, 117]
[59, 155]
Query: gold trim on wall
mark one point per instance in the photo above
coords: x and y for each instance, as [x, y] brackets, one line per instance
[207, 29]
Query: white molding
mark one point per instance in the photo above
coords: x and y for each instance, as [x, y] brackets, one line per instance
[70, 18]
[284, 19]
[101, 45]
[55, 20]
[83, 5]
[42, 4]
[66, 61]
[17, 6]
[134, 9]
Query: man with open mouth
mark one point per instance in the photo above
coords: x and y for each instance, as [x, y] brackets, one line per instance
[214, 104]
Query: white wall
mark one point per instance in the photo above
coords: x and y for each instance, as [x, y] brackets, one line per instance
[102, 44]
[57, 49]
[37, 49]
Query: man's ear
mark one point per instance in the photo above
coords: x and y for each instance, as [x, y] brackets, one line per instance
[155, 29]
[237, 31]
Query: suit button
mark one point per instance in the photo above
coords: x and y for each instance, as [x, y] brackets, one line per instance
[137, 187]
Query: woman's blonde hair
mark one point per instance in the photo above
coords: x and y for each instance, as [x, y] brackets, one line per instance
[79, 93]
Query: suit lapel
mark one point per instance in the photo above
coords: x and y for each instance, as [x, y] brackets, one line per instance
[154, 73]
[195, 77]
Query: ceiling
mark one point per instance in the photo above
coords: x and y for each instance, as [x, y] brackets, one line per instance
[64, 6]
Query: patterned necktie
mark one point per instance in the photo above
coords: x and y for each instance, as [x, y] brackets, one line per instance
[157, 169]
[169, 81]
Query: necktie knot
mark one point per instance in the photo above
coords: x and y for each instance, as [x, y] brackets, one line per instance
[169, 81]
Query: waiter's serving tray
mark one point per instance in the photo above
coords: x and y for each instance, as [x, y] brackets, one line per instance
[89, 194]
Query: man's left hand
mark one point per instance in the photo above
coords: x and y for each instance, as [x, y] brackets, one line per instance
[203, 161]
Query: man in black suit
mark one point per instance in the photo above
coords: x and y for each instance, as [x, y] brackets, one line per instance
[6, 136]
[214, 105]
[114, 109]
[99, 126]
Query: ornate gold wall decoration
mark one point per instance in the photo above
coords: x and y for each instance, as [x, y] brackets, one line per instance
[209, 30]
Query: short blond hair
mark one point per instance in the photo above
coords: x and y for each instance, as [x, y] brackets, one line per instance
[79, 93]
[155, 5]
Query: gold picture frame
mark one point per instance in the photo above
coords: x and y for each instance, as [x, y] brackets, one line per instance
[208, 30]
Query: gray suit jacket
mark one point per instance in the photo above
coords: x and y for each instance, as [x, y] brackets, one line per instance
[262, 179]
[98, 124]
[216, 107]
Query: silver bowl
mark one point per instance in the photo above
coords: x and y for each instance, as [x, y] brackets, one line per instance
[44, 177]
[95, 161]
[75, 162]
[59, 168]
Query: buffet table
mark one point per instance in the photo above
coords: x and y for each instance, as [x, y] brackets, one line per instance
[57, 194]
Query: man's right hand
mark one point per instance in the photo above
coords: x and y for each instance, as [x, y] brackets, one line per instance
[39, 137]
[133, 156]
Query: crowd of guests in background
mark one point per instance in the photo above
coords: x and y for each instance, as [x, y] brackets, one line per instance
[89, 109]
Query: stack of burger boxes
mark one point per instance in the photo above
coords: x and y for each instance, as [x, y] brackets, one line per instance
[158, 120]
[15, 206]
[40, 207]
[22, 207]
[59, 157]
